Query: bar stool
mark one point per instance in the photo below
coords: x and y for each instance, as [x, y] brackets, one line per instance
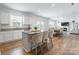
[45, 42]
[50, 36]
[36, 43]
[39, 42]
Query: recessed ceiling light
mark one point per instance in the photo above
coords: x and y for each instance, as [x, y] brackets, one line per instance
[53, 5]
[38, 10]
[61, 18]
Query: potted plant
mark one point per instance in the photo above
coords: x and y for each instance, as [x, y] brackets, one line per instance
[35, 28]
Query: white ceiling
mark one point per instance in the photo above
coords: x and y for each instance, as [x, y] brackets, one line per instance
[47, 10]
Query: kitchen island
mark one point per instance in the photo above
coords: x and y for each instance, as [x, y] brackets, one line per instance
[30, 40]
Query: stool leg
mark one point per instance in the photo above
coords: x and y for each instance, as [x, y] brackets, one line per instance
[34, 51]
[50, 45]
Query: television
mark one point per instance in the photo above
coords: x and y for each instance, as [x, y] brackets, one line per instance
[65, 24]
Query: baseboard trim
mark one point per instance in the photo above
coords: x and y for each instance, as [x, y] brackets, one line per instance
[10, 41]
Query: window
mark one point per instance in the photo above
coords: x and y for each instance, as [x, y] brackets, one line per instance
[42, 25]
[16, 21]
[39, 24]
[51, 24]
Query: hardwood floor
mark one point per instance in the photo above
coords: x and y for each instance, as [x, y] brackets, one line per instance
[62, 45]
[12, 48]
[65, 45]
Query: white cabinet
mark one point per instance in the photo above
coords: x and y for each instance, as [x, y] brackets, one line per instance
[6, 36]
[1, 37]
[20, 34]
[4, 18]
[10, 35]
[26, 20]
[17, 34]
[26, 42]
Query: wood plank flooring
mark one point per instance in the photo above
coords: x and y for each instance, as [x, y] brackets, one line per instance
[62, 45]
[65, 45]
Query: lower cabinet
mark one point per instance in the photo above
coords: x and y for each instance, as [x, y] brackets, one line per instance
[1, 37]
[10, 35]
[17, 34]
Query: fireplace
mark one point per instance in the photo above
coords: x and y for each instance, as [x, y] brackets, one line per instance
[65, 29]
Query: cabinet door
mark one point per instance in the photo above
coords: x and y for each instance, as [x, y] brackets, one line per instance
[1, 37]
[4, 36]
[15, 35]
[26, 41]
[8, 36]
[26, 20]
[20, 34]
[4, 18]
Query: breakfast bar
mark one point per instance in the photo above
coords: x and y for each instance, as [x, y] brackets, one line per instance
[37, 42]
[31, 40]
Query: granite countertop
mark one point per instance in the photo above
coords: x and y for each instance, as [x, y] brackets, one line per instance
[11, 29]
[30, 33]
[33, 32]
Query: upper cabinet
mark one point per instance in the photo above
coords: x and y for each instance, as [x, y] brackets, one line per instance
[26, 20]
[4, 18]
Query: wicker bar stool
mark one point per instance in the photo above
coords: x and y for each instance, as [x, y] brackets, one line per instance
[36, 43]
[50, 35]
[45, 42]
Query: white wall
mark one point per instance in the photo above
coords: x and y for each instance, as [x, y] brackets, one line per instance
[34, 20]
[28, 19]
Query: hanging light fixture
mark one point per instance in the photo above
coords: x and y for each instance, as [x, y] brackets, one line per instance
[73, 21]
[72, 3]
